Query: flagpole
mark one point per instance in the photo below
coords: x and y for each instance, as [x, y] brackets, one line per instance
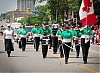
[87, 16]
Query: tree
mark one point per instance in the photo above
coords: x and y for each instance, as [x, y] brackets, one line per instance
[96, 7]
[58, 7]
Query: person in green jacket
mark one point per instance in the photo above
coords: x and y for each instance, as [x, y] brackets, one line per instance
[18, 41]
[66, 38]
[35, 32]
[85, 42]
[73, 34]
[44, 32]
[22, 34]
[77, 39]
[59, 32]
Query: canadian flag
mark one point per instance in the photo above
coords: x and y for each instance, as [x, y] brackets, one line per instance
[86, 13]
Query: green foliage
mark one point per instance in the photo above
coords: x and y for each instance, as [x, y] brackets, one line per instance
[74, 5]
[97, 7]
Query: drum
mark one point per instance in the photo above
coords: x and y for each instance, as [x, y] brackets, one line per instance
[79, 41]
[45, 41]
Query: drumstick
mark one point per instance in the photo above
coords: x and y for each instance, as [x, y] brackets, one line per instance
[67, 46]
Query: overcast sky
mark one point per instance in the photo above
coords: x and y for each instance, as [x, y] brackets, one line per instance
[7, 5]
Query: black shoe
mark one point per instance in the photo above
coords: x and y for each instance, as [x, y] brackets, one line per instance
[50, 48]
[77, 57]
[85, 62]
[36, 50]
[61, 56]
[66, 62]
[8, 55]
[44, 56]
[54, 53]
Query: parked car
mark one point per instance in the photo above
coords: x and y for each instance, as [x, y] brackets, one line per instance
[29, 37]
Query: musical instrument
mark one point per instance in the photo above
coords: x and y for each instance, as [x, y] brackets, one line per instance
[45, 41]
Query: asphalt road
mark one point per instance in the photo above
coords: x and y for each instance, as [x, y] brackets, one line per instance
[31, 61]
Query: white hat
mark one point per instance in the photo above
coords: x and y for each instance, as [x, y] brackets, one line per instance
[8, 24]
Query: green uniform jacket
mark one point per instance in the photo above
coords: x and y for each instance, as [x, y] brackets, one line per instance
[22, 32]
[73, 32]
[59, 32]
[78, 33]
[86, 31]
[18, 31]
[66, 35]
[35, 30]
[48, 31]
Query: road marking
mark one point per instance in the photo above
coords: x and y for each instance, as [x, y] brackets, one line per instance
[84, 67]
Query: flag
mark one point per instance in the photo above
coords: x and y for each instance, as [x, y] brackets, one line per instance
[86, 13]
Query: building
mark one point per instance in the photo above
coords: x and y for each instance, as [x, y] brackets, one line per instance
[22, 5]
[15, 15]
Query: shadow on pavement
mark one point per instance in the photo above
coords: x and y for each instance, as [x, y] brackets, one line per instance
[2, 52]
[92, 57]
[53, 57]
[75, 57]
[18, 56]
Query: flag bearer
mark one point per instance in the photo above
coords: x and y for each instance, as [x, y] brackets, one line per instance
[85, 42]
[66, 38]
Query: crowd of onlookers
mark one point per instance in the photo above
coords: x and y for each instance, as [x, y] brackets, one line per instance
[95, 39]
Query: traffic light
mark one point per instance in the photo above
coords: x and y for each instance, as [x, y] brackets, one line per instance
[28, 10]
[68, 0]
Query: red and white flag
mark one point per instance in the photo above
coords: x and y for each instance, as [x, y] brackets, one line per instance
[86, 13]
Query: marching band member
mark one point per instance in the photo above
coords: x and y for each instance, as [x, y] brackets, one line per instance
[8, 39]
[77, 43]
[66, 38]
[22, 34]
[85, 42]
[55, 28]
[50, 37]
[18, 38]
[73, 34]
[59, 32]
[35, 33]
[44, 32]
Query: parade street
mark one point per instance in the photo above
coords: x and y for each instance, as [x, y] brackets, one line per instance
[32, 61]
